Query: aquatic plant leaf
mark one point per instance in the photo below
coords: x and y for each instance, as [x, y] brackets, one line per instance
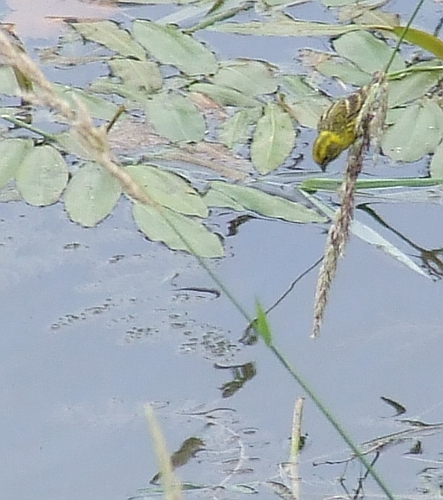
[91, 195]
[416, 133]
[367, 52]
[413, 85]
[42, 176]
[422, 39]
[170, 46]
[273, 140]
[8, 81]
[12, 152]
[261, 324]
[262, 203]
[97, 106]
[168, 189]
[345, 71]
[286, 27]
[153, 224]
[235, 130]
[249, 77]
[225, 95]
[436, 166]
[110, 85]
[143, 75]
[175, 117]
[109, 34]
[307, 104]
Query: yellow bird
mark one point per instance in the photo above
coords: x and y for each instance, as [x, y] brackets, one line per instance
[337, 127]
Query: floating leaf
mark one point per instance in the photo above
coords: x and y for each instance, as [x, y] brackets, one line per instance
[156, 226]
[8, 81]
[12, 152]
[42, 176]
[286, 27]
[224, 95]
[107, 85]
[170, 46]
[235, 130]
[261, 202]
[344, 71]
[416, 133]
[273, 140]
[251, 78]
[97, 106]
[168, 189]
[436, 166]
[91, 195]
[109, 34]
[175, 117]
[413, 85]
[367, 52]
[139, 74]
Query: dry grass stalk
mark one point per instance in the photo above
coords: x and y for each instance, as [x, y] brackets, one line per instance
[94, 138]
[369, 128]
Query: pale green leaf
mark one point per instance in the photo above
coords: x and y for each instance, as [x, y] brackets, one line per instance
[436, 166]
[225, 95]
[8, 82]
[91, 195]
[195, 237]
[416, 132]
[286, 27]
[261, 203]
[139, 74]
[175, 117]
[97, 106]
[109, 34]
[413, 85]
[344, 71]
[42, 176]
[249, 77]
[273, 140]
[367, 52]
[12, 152]
[235, 130]
[110, 85]
[170, 46]
[168, 189]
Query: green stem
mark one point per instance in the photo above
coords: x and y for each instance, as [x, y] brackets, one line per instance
[402, 36]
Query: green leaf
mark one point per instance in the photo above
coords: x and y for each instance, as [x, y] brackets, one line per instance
[8, 81]
[413, 85]
[436, 166]
[251, 78]
[235, 130]
[156, 226]
[416, 133]
[234, 196]
[97, 106]
[91, 195]
[367, 52]
[170, 46]
[108, 85]
[307, 104]
[168, 189]
[224, 95]
[422, 39]
[109, 34]
[344, 71]
[42, 176]
[286, 27]
[143, 75]
[12, 152]
[261, 324]
[273, 140]
[175, 117]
